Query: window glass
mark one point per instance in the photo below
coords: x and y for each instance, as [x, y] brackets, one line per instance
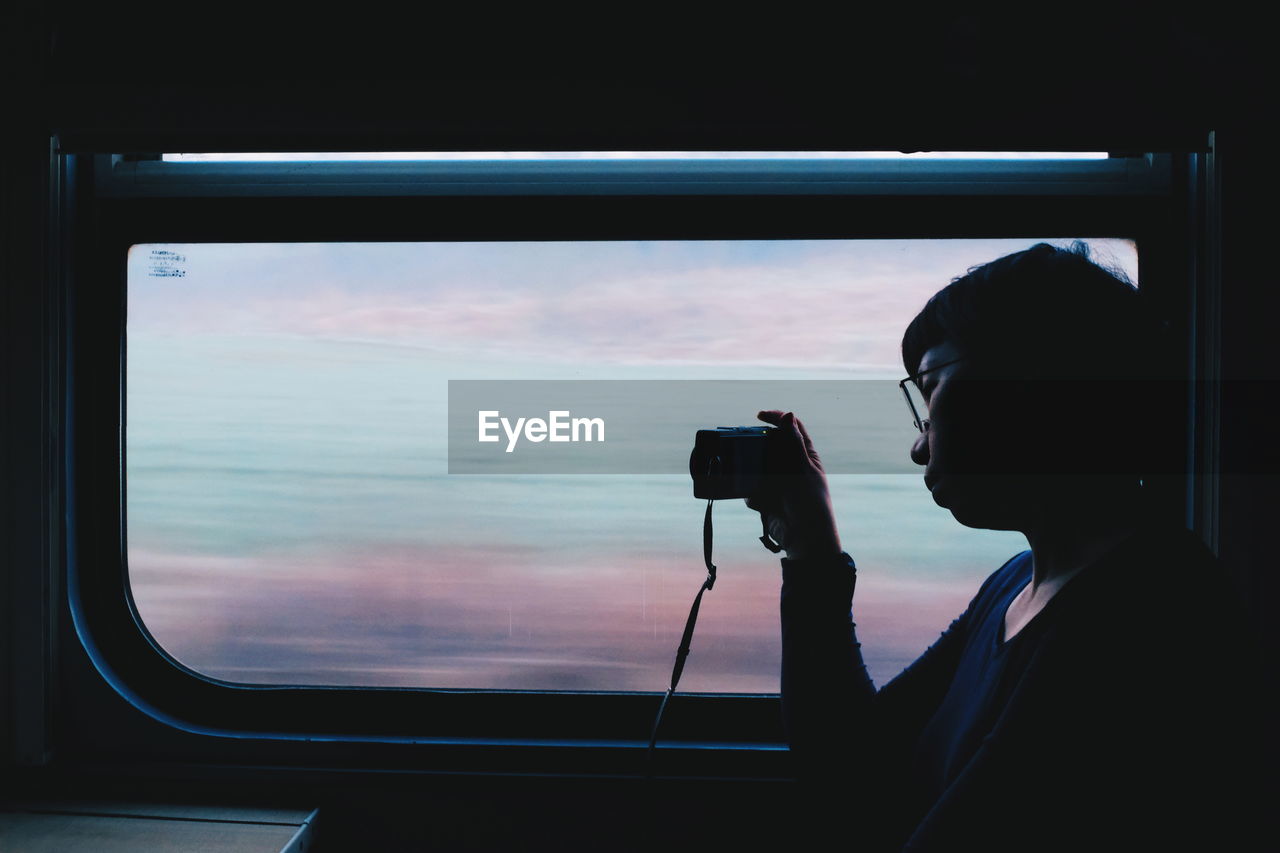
[292, 518]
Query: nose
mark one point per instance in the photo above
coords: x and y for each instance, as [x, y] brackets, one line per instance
[920, 449]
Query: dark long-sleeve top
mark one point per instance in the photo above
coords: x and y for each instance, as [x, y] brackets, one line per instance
[1122, 716]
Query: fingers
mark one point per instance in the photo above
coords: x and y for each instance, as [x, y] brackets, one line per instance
[783, 420]
[808, 442]
[794, 431]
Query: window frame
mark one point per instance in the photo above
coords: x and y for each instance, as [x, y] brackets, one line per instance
[162, 711]
[122, 176]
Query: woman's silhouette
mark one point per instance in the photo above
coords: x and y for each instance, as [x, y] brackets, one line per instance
[1096, 692]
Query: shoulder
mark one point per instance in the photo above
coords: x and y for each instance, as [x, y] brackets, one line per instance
[1178, 549]
[1009, 578]
[1157, 606]
[999, 587]
[1162, 573]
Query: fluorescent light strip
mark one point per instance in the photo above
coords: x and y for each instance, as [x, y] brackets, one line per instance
[444, 156]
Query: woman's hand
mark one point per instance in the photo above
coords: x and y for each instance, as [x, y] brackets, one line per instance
[794, 501]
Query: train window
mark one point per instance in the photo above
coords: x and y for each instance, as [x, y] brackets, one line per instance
[283, 539]
[293, 518]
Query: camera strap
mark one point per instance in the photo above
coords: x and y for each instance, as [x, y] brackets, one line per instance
[687, 637]
[683, 652]
[765, 539]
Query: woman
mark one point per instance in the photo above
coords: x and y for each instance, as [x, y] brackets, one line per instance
[1094, 693]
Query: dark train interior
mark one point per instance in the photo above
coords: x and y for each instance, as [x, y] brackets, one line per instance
[107, 745]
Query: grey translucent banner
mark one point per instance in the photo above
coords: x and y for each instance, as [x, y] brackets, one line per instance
[648, 426]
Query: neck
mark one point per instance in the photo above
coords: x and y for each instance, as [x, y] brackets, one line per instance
[1064, 544]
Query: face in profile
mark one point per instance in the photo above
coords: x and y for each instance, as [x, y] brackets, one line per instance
[978, 451]
[1003, 453]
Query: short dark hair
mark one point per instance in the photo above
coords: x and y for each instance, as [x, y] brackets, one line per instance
[1047, 310]
[1053, 313]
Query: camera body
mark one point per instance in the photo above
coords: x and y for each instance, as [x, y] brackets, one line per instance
[729, 462]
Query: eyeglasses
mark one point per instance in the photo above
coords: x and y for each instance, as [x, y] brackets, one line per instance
[915, 397]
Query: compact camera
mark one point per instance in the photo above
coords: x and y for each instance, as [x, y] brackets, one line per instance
[729, 462]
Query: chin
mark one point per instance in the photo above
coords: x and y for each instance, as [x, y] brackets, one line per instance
[980, 502]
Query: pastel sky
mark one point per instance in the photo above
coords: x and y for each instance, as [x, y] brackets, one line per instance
[811, 304]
